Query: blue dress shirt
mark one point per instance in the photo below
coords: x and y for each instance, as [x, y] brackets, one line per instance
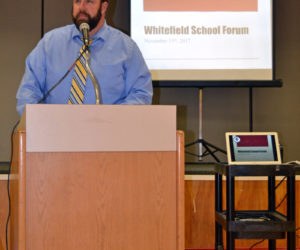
[115, 60]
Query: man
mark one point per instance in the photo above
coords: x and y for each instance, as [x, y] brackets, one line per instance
[115, 60]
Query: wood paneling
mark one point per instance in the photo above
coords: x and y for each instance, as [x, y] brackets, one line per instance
[199, 214]
[199, 210]
[98, 200]
[116, 198]
[3, 212]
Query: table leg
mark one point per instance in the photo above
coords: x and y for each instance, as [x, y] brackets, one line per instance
[230, 201]
[218, 208]
[291, 236]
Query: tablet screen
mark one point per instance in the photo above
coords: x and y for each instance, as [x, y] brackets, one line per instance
[253, 148]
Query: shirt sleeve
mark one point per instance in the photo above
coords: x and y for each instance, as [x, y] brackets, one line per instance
[138, 80]
[31, 87]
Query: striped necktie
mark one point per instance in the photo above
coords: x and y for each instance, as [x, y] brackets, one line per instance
[79, 80]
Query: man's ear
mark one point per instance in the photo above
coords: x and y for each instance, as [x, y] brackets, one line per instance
[104, 7]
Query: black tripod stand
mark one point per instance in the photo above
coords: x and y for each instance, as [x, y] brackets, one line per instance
[210, 149]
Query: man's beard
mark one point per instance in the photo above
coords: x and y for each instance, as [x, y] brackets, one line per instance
[92, 21]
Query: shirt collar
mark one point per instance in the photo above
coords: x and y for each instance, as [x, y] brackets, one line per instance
[101, 34]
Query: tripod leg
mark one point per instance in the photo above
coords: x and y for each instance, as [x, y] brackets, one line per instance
[210, 152]
[214, 147]
[192, 143]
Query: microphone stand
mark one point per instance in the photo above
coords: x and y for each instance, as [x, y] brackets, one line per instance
[93, 78]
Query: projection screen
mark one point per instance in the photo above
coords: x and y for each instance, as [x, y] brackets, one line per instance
[205, 39]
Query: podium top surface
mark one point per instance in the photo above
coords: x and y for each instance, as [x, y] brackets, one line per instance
[99, 128]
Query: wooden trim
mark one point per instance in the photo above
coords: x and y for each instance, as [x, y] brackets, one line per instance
[3, 177]
[22, 190]
[180, 190]
[18, 193]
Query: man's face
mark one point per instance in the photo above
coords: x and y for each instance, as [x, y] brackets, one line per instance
[87, 11]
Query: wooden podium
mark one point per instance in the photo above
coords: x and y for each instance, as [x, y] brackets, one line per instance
[98, 177]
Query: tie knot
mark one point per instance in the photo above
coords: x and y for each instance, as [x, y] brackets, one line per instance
[83, 46]
[84, 51]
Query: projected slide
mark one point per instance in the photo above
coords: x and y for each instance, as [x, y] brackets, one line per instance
[204, 39]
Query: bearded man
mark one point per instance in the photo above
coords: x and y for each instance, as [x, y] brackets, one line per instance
[114, 58]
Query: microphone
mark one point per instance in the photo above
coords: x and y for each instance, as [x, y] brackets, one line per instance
[85, 28]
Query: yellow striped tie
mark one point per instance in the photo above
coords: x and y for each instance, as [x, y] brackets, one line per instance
[79, 80]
